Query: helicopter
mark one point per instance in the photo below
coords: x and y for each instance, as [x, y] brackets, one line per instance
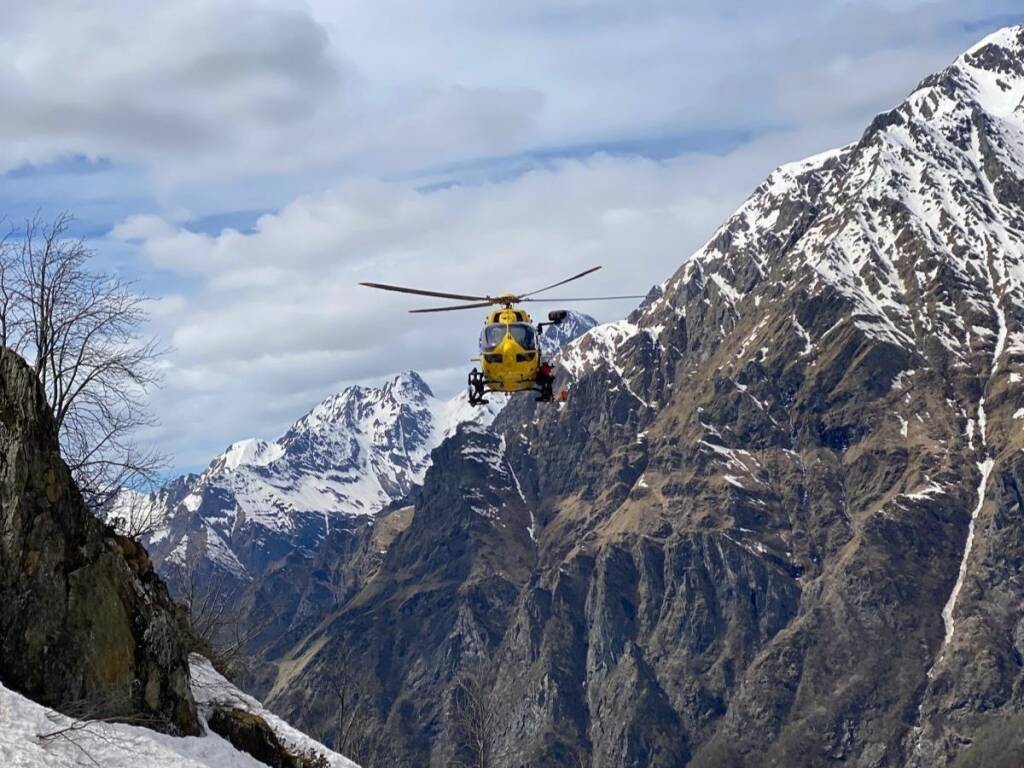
[511, 356]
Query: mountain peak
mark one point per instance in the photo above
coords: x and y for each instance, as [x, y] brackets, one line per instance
[993, 71]
[408, 382]
[252, 452]
[1010, 39]
[556, 337]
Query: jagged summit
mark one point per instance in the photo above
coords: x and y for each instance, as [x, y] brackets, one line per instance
[924, 210]
[352, 455]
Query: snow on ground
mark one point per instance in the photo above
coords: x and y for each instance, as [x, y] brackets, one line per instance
[23, 743]
[210, 688]
[34, 736]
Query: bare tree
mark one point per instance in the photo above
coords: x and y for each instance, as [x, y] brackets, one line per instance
[81, 331]
[475, 723]
[82, 723]
[357, 731]
[134, 514]
[219, 626]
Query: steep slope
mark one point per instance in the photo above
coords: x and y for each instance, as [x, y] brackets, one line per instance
[85, 623]
[779, 520]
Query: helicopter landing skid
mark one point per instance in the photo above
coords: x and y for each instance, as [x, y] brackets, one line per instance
[476, 388]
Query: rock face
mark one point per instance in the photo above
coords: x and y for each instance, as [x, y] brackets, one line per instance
[86, 625]
[250, 733]
[780, 520]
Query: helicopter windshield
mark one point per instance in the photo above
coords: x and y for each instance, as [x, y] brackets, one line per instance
[524, 335]
[492, 335]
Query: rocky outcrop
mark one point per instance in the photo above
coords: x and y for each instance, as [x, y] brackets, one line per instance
[86, 625]
[250, 733]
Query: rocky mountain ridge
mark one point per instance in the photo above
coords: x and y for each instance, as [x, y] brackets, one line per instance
[779, 520]
[353, 455]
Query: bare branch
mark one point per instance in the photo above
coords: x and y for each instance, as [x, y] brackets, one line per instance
[219, 625]
[474, 722]
[81, 331]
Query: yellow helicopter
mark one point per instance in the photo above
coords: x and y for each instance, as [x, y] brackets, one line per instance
[511, 357]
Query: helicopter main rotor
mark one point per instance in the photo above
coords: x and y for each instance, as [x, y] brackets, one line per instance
[506, 299]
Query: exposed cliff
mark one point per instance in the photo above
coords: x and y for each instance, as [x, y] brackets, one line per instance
[85, 623]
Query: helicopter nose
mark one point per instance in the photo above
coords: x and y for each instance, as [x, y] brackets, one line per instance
[506, 349]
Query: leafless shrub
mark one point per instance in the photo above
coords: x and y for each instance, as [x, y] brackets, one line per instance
[81, 331]
[357, 731]
[474, 722]
[80, 722]
[311, 758]
[218, 623]
[133, 514]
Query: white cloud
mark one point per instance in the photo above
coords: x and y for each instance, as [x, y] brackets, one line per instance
[280, 320]
[217, 90]
[205, 107]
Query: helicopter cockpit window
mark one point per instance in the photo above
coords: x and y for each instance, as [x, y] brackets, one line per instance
[491, 335]
[524, 335]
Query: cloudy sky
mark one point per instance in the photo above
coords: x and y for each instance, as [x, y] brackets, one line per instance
[249, 162]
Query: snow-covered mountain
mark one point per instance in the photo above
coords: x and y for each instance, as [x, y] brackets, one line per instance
[351, 456]
[779, 521]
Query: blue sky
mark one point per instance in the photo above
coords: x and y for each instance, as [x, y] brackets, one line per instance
[248, 163]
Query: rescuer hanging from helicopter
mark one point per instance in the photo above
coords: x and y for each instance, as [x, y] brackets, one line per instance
[511, 357]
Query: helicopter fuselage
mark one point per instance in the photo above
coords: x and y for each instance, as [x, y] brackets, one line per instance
[510, 351]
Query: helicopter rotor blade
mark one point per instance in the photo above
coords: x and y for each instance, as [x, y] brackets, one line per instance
[584, 273]
[588, 298]
[477, 305]
[421, 292]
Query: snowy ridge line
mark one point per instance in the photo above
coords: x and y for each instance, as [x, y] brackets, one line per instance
[861, 255]
[353, 454]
